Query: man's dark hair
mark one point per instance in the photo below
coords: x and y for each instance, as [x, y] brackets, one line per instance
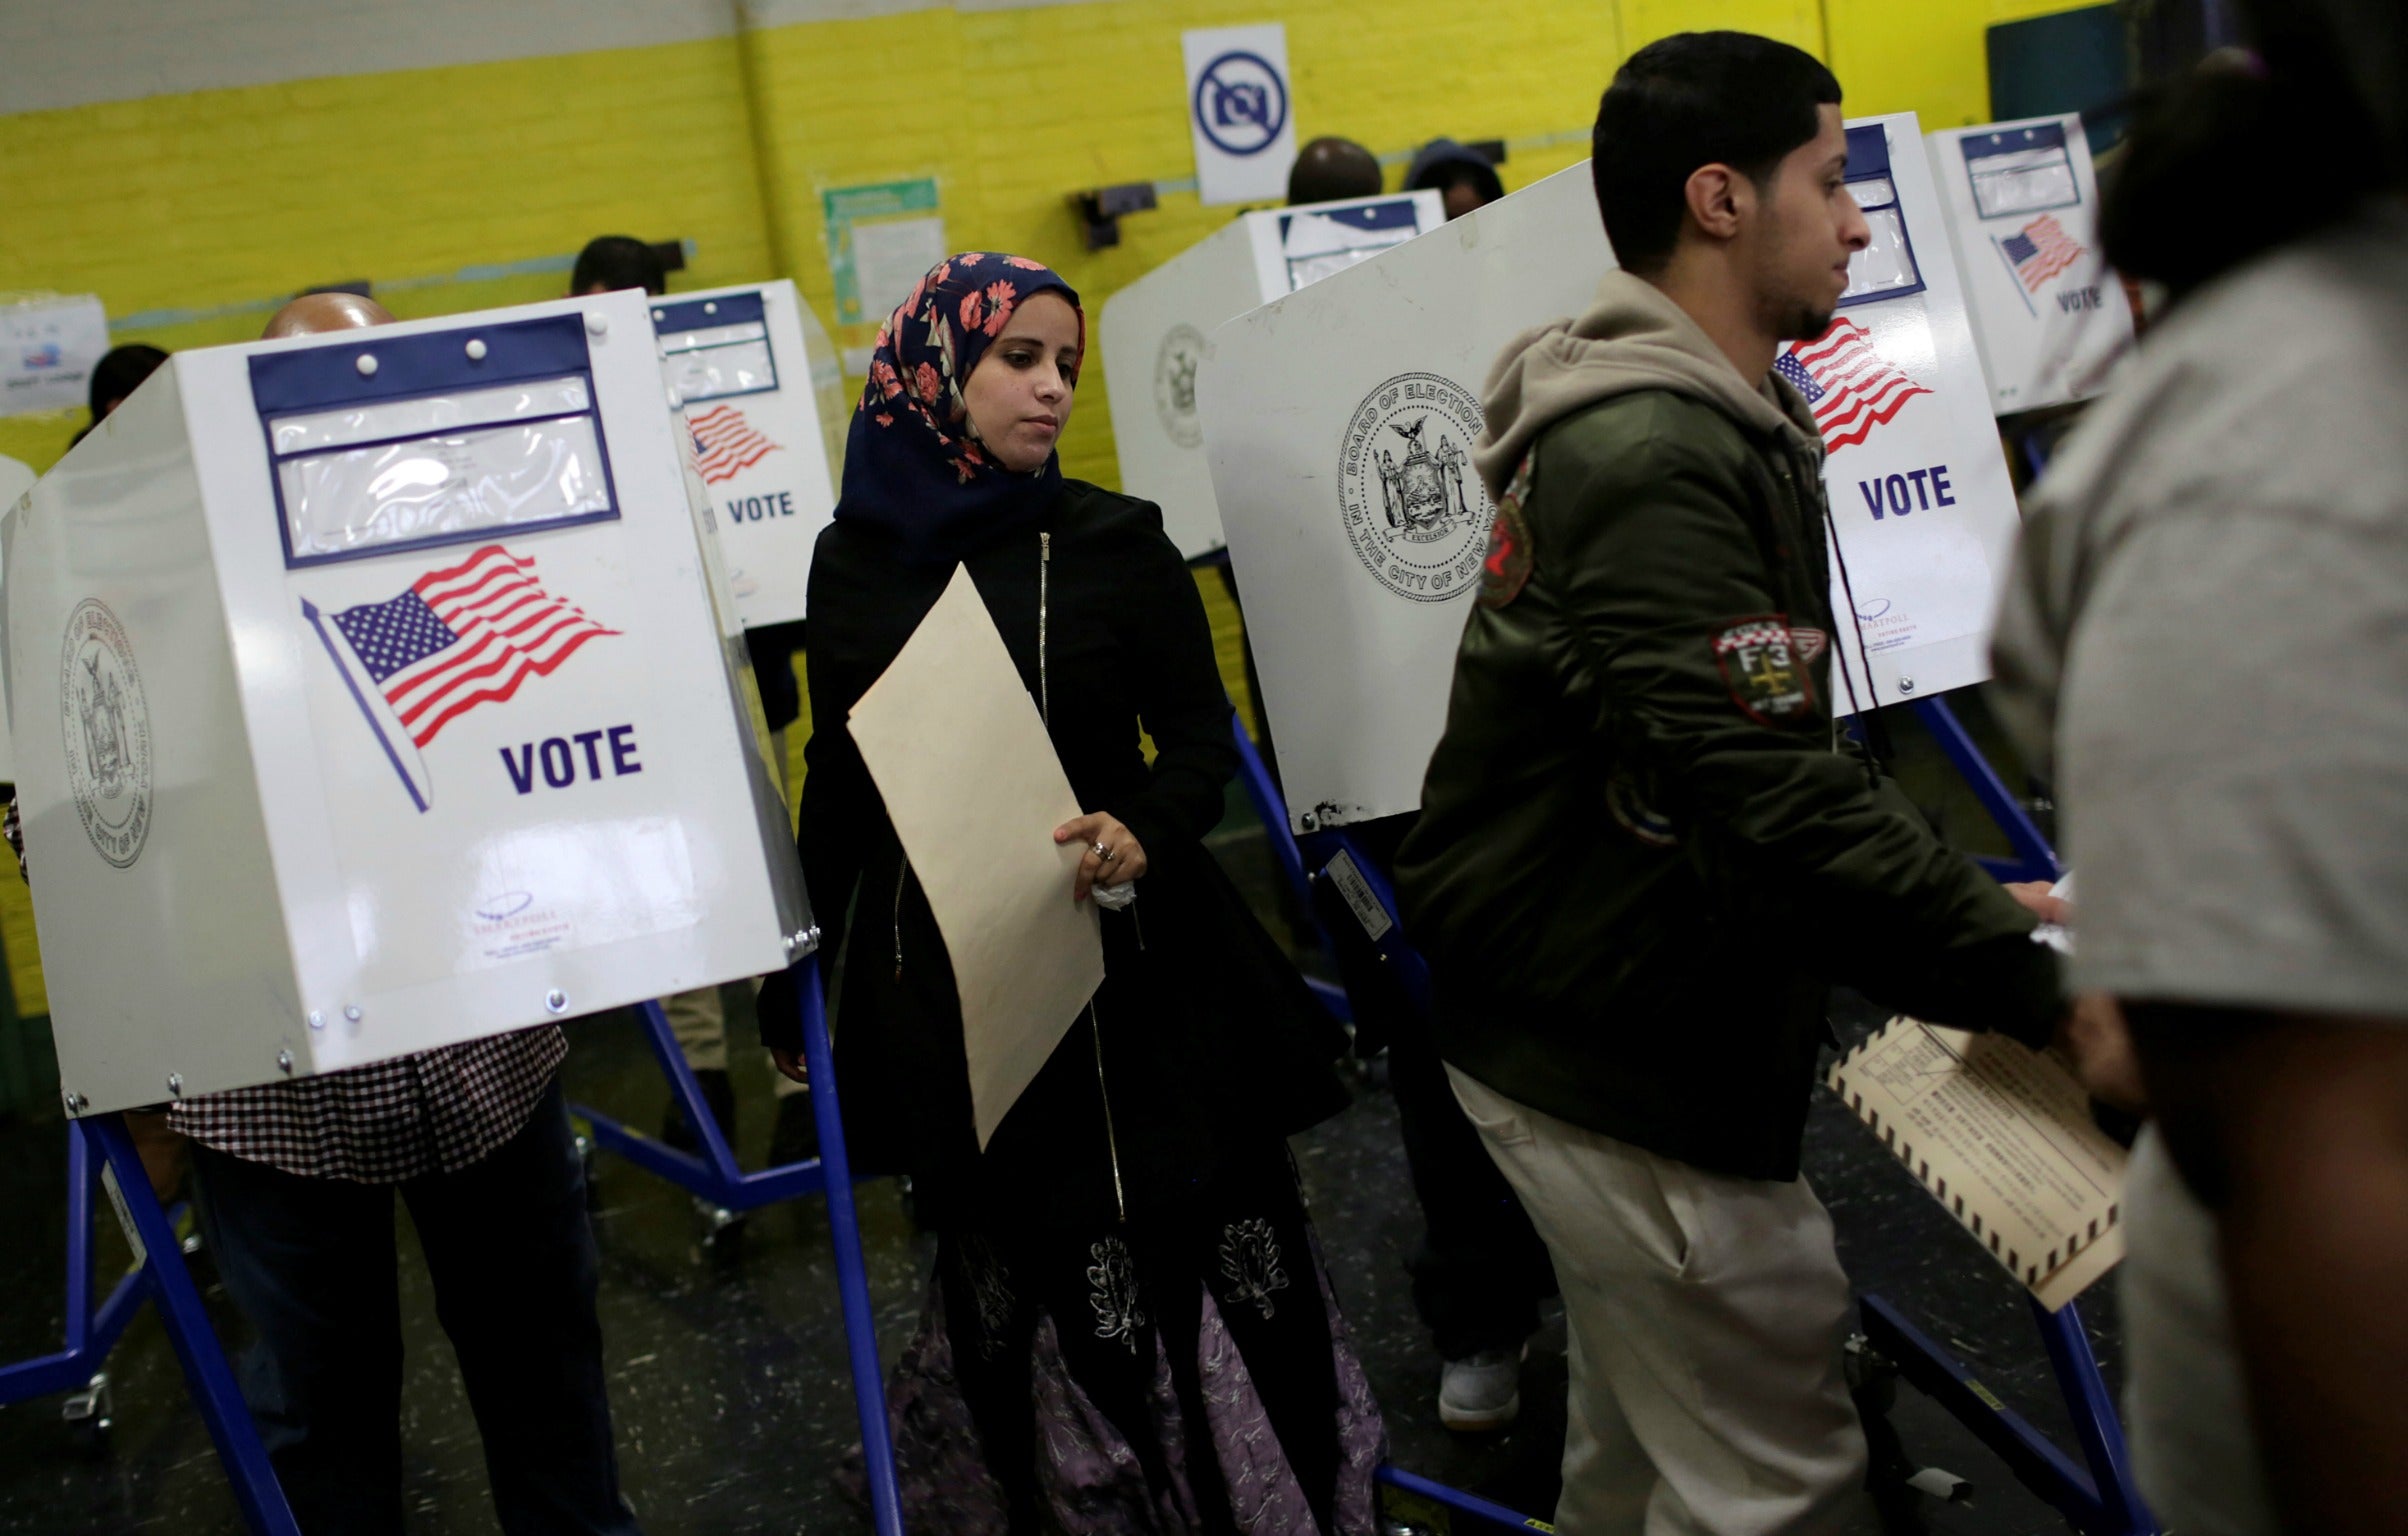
[1329, 169]
[615, 262]
[1691, 100]
[120, 372]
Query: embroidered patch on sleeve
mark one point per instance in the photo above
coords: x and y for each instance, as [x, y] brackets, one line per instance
[1763, 671]
[1507, 569]
[1809, 643]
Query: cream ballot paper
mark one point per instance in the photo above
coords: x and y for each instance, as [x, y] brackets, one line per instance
[2002, 1137]
[956, 748]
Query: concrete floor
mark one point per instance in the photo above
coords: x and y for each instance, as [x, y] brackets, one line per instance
[727, 1363]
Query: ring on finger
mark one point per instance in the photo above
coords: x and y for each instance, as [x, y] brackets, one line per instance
[1101, 852]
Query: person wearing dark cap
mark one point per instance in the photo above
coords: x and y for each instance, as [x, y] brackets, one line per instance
[1459, 174]
[611, 262]
[1331, 168]
[118, 374]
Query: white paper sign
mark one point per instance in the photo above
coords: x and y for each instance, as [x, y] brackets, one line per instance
[47, 352]
[1338, 423]
[2023, 209]
[1922, 506]
[961, 758]
[1239, 112]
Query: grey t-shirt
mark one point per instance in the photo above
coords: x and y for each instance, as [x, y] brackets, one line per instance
[2207, 631]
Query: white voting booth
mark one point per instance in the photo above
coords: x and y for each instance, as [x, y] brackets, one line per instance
[2023, 209]
[15, 480]
[1921, 503]
[1153, 333]
[760, 392]
[377, 691]
[1338, 425]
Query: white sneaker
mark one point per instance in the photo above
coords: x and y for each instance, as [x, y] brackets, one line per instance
[1482, 1391]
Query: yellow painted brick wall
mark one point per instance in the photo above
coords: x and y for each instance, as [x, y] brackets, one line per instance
[1924, 56]
[229, 198]
[224, 200]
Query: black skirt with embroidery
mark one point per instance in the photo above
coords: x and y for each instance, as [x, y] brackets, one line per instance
[1187, 1371]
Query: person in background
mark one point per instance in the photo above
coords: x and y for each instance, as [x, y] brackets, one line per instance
[2205, 641]
[297, 1181]
[699, 1018]
[118, 374]
[1128, 1328]
[1329, 169]
[1463, 177]
[1642, 860]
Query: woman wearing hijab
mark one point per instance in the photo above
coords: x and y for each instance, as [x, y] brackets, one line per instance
[1128, 1329]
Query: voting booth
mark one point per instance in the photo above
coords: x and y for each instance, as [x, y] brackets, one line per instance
[1923, 512]
[1153, 333]
[2022, 204]
[374, 694]
[15, 480]
[1338, 425]
[760, 392]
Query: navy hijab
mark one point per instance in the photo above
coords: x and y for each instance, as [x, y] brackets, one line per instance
[911, 468]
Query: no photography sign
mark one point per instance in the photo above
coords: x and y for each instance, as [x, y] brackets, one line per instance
[1238, 112]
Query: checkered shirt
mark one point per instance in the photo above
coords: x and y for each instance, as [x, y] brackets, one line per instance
[432, 1112]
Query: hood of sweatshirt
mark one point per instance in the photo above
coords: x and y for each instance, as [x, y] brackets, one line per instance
[1633, 337]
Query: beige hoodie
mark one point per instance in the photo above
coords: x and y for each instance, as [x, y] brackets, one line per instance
[1632, 338]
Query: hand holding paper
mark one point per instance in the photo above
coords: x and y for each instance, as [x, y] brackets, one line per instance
[969, 776]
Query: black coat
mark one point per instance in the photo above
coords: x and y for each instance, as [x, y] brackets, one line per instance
[1210, 1043]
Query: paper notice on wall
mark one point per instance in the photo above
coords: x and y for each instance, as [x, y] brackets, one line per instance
[882, 238]
[2002, 1137]
[47, 352]
[959, 754]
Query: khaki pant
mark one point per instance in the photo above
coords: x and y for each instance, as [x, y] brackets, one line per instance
[1706, 1315]
[698, 1020]
[2193, 1452]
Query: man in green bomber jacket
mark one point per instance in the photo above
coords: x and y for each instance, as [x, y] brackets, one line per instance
[1641, 862]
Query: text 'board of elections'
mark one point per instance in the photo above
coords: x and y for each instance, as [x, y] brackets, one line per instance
[1338, 424]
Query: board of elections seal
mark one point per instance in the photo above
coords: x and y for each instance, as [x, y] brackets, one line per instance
[1413, 510]
[1175, 385]
[106, 733]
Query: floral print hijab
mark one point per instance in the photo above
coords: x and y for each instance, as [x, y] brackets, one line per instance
[911, 467]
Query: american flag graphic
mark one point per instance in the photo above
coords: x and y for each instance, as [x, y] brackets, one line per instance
[2041, 250]
[466, 635]
[726, 444]
[1851, 389]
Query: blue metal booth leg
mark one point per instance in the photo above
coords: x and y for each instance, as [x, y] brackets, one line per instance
[712, 1174]
[206, 1373]
[90, 1335]
[852, 1274]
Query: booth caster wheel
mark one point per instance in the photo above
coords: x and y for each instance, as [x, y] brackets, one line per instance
[722, 1230]
[89, 1413]
[586, 1162]
[1897, 1482]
